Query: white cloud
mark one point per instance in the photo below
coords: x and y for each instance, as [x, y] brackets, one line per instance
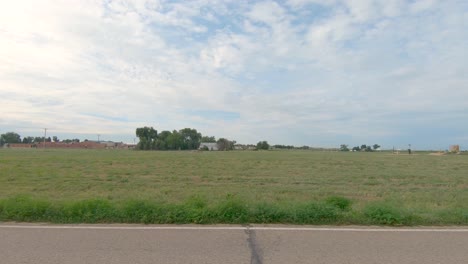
[323, 75]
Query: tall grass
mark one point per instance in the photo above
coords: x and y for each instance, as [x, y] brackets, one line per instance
[231, 210]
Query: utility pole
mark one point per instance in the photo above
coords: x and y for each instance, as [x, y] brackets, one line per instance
[45, 135]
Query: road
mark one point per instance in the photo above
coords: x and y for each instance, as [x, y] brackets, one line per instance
[72, 244]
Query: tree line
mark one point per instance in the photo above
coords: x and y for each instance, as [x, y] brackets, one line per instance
[149, 139]
[364, 147]
[15, 138]
[183, 139]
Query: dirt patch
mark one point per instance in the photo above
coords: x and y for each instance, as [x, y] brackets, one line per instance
[437, 154]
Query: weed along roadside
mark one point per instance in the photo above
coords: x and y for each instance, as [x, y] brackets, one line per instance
[228, 211]
[290, 187]
[334, 210]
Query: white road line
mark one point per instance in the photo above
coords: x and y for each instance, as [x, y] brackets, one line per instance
[259, 228]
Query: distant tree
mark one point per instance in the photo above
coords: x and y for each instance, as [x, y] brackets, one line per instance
[161, 141]
[363, 147]
[356, 148]
[376, 146]
[225, 144]
[10, 137]
[204, 148]
[206, 139]
[263, 145]
[71, 140]
[174, 140]
[28, 140]
[190, 138]
[344, 147]
[368, 149]
[283, 146]
[147, 136]
[164, 134]
[55, 139]
[146, 132]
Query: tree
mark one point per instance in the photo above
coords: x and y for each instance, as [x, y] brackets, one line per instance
[356, 148]
[263, 145]
[174, 140]
[55, 139]
[225, 144]
[283, 147]
[71, 140]
[376, 146]
[146, 132]
[10, 137]
[206, 139]
[190, 138]
[38, 139]
[147, 136]
[344, 147]
[28, 140]
[363, 147]
[161, 141]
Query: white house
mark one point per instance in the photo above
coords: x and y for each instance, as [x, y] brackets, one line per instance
[210, 146]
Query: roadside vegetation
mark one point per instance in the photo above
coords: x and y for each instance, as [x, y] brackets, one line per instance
[294, 187]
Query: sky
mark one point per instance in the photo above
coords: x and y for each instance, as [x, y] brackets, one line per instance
[297, 72]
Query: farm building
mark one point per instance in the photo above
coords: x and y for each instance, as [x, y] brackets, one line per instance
[455, 148]
[73, 145]
[19, 145]
[210, 146]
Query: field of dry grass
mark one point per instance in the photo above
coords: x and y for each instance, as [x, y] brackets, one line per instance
[432, 188]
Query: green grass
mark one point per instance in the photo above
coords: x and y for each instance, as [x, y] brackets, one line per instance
[301, 187]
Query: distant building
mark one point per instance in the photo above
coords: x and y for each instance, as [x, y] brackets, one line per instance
[19, 145]
[209, 145]
[455, 148]
[244, 147]
[73, 145]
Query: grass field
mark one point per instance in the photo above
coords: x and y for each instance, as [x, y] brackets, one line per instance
[303, 187]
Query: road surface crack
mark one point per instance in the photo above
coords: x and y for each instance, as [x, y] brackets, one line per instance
[255, 251]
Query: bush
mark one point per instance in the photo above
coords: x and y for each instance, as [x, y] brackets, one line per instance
[204, 148]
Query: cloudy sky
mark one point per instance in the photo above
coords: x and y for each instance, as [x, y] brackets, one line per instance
[302, 72]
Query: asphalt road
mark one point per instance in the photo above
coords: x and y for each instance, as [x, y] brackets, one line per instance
[229, 244]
